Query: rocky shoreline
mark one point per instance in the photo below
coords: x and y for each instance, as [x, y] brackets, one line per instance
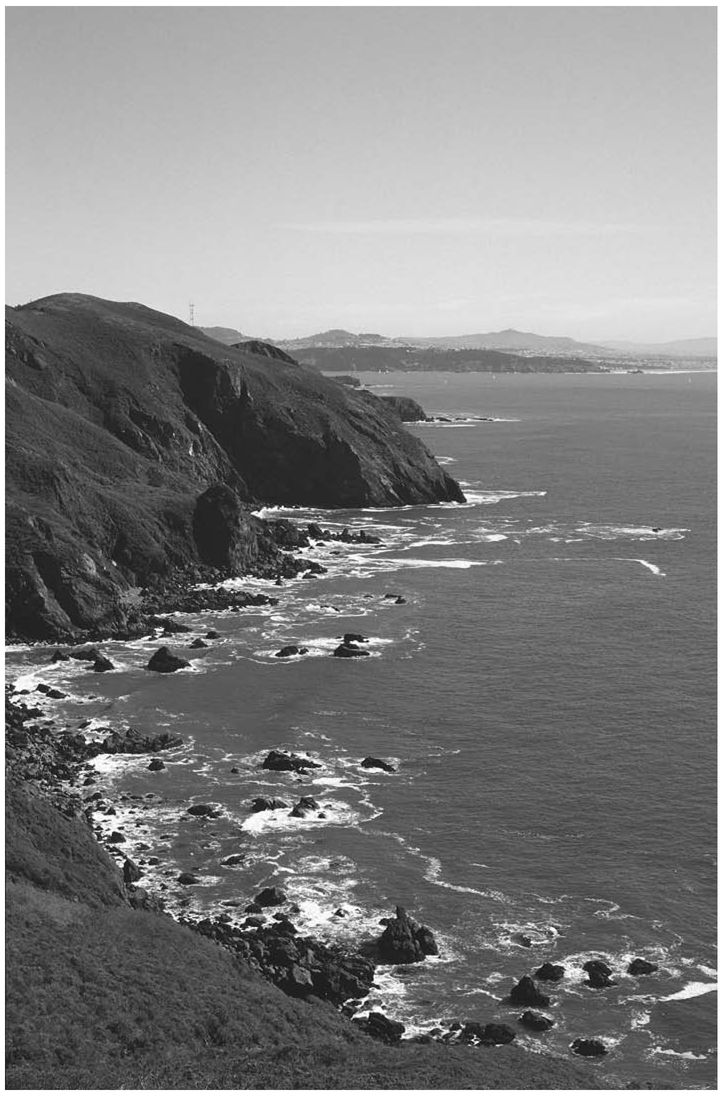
[302, 967]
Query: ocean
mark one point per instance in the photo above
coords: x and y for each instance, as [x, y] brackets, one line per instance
[546, 694]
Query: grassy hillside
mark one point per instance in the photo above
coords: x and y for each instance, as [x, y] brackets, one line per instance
[102, 992]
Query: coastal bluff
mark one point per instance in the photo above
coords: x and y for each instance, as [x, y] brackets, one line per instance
[120, 418]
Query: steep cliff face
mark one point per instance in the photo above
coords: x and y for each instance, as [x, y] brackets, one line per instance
[119, 418]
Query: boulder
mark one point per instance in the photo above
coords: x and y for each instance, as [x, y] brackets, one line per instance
[537, 1022]
[549, 972]
[116, 837]
[282, 760]
[198, 643]
[212, 635]
[599, 974]
[640, 967]
[267, 804]
[404, 941]
[270, 897]
[58, 655]
[102, 664]
[354, 638]
[53, 693]
[588, 1046]
[299, 982]
[203, 810]
[371, 763]
[346, 651]
[156, 764]
[233, 859]
[164, 661]
[187, 879]
[130, 741]
[526, 993]
[400, 600]
[131, 872]
[382, 1028]
[170, 626]
[303, 806]
[291, 650]
[497, 1033]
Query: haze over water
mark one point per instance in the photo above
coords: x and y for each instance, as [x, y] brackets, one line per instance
[546, 693]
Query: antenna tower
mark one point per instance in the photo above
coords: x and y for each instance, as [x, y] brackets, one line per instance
[191, 313]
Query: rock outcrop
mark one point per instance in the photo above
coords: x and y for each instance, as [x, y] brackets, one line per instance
[121, 420]
[526, 993]
[283, 760]
[404, 941]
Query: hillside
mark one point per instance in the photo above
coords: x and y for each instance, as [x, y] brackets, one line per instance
[385, 358]
[104, 991]
[120, 418]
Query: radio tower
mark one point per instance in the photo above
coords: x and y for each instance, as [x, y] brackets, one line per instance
[191, 313]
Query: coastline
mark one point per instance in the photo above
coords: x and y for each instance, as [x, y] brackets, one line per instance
[95, 808]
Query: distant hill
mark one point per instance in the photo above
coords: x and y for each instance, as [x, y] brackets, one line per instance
[230, 336]
[706, 347]
[337, 337]
[508, 340]
[351, 360]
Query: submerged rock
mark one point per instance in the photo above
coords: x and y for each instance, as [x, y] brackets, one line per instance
[165, 661]
[354, 638]
[349, 650]
[640, 967]
[89, 654]
[371, 763]
[537, 1022]
[156, 764]
[270, 897]
[291, 650]
[198, 643]
[549, 972]
[187, 879]
[203, 810]
[588, 1046]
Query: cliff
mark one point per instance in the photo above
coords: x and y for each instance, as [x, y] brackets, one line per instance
[120, 418]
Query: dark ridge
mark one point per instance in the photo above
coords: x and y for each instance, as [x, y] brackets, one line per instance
[120, 418]
[265, 350]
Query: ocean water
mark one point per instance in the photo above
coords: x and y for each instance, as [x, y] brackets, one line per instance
[546, 694]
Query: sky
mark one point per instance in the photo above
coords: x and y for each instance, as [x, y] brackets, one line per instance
[410, 171]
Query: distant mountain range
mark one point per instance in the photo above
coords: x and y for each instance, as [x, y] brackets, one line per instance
[685, 348]
[509, 340]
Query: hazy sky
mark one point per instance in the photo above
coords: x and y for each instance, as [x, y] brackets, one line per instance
[405, 170]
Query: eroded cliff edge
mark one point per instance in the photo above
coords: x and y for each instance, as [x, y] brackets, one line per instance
[119, 418]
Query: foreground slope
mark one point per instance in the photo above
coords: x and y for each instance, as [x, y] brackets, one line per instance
[119, 418]
[105, 992]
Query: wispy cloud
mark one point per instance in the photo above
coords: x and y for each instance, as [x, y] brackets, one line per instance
[465, 226]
